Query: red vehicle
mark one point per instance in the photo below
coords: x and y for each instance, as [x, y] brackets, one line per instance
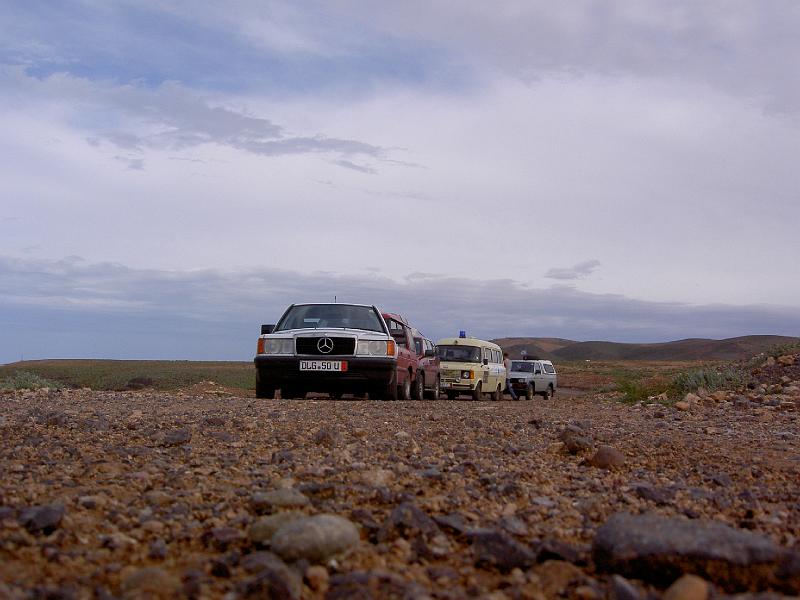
[427, 383]
[408, 385]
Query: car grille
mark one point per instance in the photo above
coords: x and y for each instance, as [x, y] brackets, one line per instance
[341, 346]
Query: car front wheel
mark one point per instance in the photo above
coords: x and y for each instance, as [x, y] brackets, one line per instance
[477, 393]
[529, 392]
[405, 389]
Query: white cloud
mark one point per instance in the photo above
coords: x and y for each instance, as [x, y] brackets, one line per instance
[577, 271]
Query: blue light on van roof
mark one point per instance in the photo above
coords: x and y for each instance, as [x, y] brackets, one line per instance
[462, 334]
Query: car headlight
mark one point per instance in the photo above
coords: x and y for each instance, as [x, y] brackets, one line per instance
[279, 346]
[371, 348]
[466, 374]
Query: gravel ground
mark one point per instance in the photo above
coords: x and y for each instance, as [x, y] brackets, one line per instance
[143, 494]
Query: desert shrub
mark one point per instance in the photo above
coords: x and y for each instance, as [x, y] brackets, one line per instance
[640, 389]
[711, 379]
[782, 349]
[139, 383]
[25, 380]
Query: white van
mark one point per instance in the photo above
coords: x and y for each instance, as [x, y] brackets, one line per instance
[471, 366]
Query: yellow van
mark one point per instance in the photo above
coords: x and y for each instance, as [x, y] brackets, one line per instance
[471, 366]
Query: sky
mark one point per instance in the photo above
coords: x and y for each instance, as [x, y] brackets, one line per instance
[176, 173]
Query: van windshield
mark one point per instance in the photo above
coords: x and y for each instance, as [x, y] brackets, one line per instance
[460, 353]
[313, 316]
[523, 366]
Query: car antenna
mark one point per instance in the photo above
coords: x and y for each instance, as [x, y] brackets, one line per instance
[334, 298]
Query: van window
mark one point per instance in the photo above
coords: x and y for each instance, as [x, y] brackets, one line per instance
[537, 370]
[460, 353]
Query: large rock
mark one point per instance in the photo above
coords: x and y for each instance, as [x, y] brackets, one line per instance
[499, 550]
[314, 538]
[263, 528]
[660, 549]
[267, 502]
[42, 519]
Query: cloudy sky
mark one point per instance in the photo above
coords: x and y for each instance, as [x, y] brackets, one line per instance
[175, 174]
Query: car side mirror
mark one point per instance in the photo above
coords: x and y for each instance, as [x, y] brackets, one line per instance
[265, 329]
[430, 352]
[485, 361]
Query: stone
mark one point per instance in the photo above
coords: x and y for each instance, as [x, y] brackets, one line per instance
[176, 437]
[660, 549]
[326, 437]
[150, 582]
[317, 577]
[574, 440]
[659, 495]
[622, 589]
[266, 502]
[377, 477]
[499, 550]
[407, 520]
[687, 587]
[263, 528]
[365, 585]
[557, 577]
[222, 537]
[158, 498]
[42, 519]
[453, 521]
[274, 580]
[315, 538]
[606, 457]
[682, 405]
[258, 561]
[786, 360]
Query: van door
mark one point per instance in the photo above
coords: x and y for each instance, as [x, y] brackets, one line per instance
[487, 369]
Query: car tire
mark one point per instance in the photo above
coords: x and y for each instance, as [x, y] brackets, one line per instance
[390, 391]
[477, 393]
[419, 387]
[498, 393]
[434, 393]
[547, 393]
[264, 391]
[405, 388]
[529, 392]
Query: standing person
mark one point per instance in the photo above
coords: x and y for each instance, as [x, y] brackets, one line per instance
[509, 387]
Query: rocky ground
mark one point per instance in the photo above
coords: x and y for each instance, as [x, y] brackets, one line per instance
[144, 494]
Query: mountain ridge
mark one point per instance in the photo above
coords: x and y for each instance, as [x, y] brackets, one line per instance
[734, 348]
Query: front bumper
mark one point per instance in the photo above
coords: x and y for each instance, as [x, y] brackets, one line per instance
[363, 372]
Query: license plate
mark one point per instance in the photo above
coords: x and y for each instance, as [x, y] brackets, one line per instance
[323, 365]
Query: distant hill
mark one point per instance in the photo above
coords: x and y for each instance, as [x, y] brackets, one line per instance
[690, 349]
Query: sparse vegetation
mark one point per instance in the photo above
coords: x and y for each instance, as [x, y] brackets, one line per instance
[25, 380]
[713, 378]
[782, 349]
[136, 374]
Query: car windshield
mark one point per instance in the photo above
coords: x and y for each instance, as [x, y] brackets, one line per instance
[313, 316]
[523, 366]
[460, 353]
